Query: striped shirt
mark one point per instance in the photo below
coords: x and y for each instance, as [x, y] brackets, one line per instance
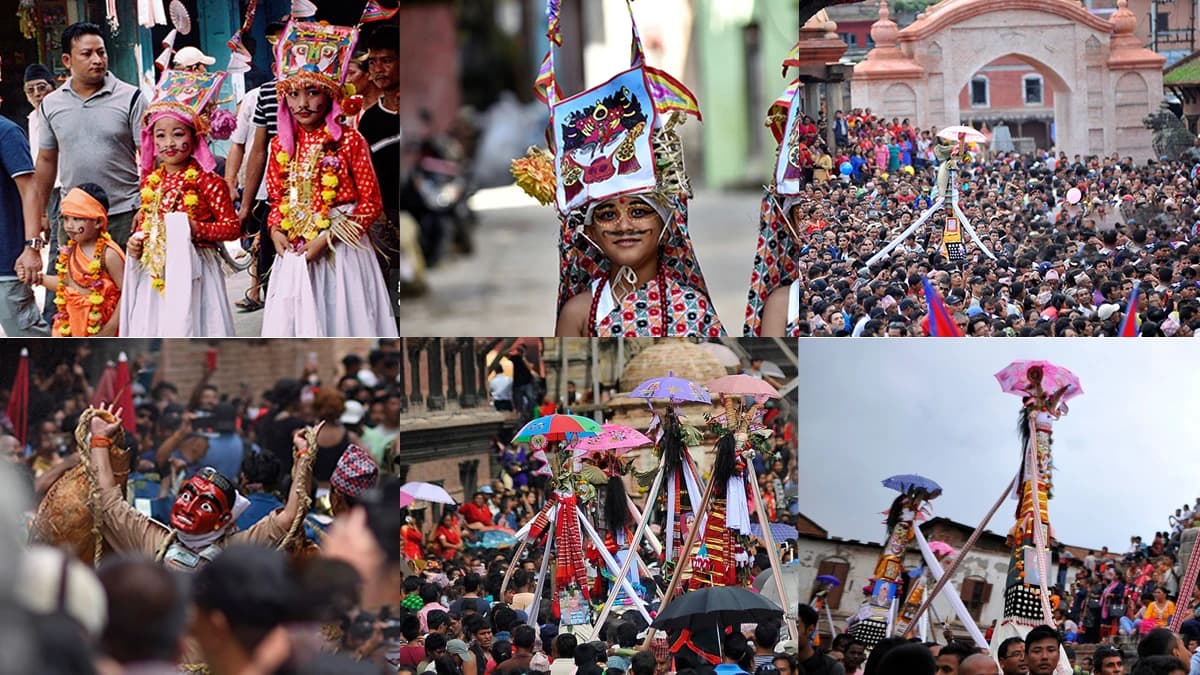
[266, 108]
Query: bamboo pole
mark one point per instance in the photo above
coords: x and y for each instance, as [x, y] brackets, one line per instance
[635, 542]
[788, 609]
[609, 561]
[521, 549]
[532, 616]
[637, 513]
[684, 559]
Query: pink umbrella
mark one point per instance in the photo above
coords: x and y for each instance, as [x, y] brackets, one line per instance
[612, 437]
[742, 385]
[1022, 378]
[941, 548]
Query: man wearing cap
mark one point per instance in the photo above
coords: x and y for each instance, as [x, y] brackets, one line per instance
[457, 649]
[192, 59]
[356, 473]
[203, 517]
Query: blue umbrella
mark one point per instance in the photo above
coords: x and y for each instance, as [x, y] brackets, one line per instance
[829, 580]
[493, 539]
[911, 481]
[779, 531]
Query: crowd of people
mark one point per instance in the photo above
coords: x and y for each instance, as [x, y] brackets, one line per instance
[1040, 652]
[1063, 266]
[312, 172]
[367, 587]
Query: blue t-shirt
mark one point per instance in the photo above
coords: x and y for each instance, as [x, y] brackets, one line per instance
[225, 455]
[261, 504]
[16, 161]
[856, 165]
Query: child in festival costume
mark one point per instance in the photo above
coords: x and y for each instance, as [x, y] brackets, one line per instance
[626, 261]
[90, 268]
[324, 195]
[173, 137]
[773, 306]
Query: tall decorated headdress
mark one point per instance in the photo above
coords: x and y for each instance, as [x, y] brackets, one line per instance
[618, 138]
[313, 54]
[189, 97]
[777, 256]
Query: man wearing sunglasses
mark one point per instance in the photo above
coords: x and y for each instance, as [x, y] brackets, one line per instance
[39, 81]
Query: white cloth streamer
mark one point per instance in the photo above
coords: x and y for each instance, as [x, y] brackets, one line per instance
[960, 609]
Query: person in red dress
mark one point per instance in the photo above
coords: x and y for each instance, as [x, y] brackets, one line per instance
[178, 177]
[324, 196]
[476, 513]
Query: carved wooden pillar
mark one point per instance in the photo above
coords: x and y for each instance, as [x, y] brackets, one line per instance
[436, 400]
[414, 363]
[451, 348]
[470, 392]
[401, 386]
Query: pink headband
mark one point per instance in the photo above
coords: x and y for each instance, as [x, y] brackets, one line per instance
[285, 129]
[200, 152]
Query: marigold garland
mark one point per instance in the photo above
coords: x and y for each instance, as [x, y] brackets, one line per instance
[154, 253]
[297, 173]
[62, 321]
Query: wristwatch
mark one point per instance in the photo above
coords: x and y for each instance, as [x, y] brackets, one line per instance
[35, 244]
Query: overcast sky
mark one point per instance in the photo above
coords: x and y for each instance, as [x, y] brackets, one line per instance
[1126, 455]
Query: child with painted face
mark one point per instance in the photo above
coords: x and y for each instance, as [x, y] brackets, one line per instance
[204, 515]
[324, 196]
[90, 268]
[178, 177]
[615, 173]
[631, 232]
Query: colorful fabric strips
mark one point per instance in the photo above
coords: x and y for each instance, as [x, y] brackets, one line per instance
[670, 94]
[376, 12]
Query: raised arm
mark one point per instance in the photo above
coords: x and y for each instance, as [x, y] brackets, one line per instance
[298, 497]
[99, 440]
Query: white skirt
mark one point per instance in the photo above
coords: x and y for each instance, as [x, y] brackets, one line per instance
[342, 294]
[204, 313]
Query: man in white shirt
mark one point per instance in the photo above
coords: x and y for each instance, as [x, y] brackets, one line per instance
[501, 388]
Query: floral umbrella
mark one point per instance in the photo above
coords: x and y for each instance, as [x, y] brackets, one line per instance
[676, 389]
[1023, 378]
[616, 438]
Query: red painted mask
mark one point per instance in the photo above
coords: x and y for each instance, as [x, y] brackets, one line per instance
[201, 506]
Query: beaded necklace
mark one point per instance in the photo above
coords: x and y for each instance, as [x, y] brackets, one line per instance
[300, 221]
[154, 251]
[64, 266]
[662, 302]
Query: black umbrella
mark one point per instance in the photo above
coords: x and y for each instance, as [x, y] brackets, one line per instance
[719, 605]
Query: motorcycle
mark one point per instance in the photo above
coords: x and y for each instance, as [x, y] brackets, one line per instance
[436, 194]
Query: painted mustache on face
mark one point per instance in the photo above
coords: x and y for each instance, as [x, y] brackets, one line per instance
[626, 232]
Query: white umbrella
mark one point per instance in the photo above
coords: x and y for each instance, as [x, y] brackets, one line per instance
[427, 492]
[970, 135]
[771, 369]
